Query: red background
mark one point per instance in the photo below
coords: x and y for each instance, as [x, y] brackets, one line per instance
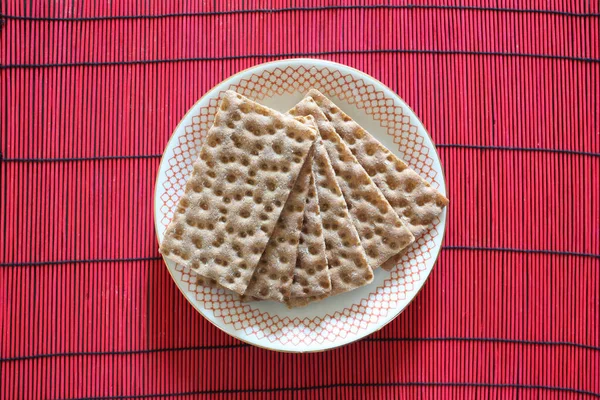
[509, 92]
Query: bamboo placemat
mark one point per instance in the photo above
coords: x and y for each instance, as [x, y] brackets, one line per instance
[91, 92]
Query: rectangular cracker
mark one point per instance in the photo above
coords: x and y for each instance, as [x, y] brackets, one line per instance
[412, 197]
[311, 276]
[346, 260]
[272, 278]
[235, 194]
[381, 231]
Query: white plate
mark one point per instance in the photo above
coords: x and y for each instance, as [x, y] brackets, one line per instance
[341, 319]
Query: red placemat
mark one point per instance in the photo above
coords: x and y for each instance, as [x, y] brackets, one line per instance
[90, 93]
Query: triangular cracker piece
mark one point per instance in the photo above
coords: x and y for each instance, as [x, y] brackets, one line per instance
[382, 233]
[347, 263]
[311, 276]
[235, 194]
[415, 201]
[272, 278]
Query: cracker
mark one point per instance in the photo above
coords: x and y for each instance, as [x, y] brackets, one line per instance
[382, 233]
[311, 276]
[211, 283]
[235, 194]
[412, 197]
[296, 302]
[346, 260]
[272, 278]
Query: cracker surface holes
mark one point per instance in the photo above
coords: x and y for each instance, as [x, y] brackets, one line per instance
[242, 130]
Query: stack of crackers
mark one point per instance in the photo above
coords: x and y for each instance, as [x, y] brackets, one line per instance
[295, 207]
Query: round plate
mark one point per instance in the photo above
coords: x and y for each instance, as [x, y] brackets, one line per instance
[341, 319]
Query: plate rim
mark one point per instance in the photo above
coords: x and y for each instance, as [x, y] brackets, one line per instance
[235, 333]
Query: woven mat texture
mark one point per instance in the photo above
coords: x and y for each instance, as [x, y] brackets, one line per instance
[90, 92]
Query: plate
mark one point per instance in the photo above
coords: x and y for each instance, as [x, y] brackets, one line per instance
[341, 319]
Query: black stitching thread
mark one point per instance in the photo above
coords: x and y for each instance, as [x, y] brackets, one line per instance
[316, 8]
[468, 248]
[305, 54]
[243, 345]
[439, 145]
[89, 261]
[485, 340]
[121, 353]
[90, 158]
[526, 251]
[353, 385]
[514, 148]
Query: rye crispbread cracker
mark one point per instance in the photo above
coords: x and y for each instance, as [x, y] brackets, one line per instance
[211, 283]
[296, 302]
[273, 276]
[346, 260]
[382, 233]
[235, 194]
[415, 201]
[311, 276]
